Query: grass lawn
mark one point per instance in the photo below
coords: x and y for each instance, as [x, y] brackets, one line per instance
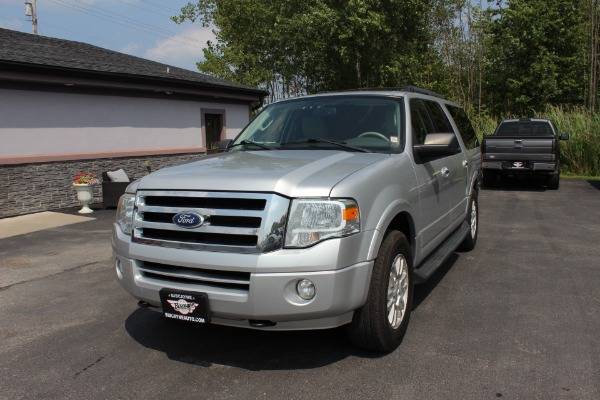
[583, 177]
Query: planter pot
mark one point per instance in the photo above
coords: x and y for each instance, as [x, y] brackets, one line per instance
[85, 195]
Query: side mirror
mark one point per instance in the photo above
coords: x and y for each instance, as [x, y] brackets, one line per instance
[563, 136]
[437, 145]
[429, 151]
[223, 145]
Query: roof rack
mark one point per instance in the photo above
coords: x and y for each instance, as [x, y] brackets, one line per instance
[416, 89]
[408, 88]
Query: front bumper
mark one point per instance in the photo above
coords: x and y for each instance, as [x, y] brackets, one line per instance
[271, 292]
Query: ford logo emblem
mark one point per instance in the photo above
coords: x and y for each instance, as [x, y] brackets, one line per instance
[188, 219]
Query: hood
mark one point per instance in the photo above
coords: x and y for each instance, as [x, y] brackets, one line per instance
[293, 173]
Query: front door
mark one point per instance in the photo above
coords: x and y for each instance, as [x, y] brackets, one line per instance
[433, 201]
[213, 125]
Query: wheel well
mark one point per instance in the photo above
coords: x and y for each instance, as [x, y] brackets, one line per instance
[403, 222]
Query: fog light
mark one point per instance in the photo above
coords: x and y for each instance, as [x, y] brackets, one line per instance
[119, 269]
[305, 289]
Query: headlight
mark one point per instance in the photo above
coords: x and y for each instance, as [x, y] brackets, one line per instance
[125, 212]
[313, 220]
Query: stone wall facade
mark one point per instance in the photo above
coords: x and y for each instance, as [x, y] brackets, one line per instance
[28, 188]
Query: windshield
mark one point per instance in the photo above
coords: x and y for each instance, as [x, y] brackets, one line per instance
[524, 128]
[362, 123]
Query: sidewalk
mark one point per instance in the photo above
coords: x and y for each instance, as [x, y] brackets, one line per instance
[35, 246]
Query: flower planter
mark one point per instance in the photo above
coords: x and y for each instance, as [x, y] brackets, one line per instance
[85, 194]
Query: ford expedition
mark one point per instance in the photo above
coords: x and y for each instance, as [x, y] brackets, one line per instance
[323, 212]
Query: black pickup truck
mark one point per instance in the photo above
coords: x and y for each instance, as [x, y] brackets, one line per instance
[521, 146]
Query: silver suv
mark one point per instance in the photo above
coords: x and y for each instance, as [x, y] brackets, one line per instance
[323, 212]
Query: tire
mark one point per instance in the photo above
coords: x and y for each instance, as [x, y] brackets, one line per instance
[470, 240]
[489, 178]
[371, 327]
[553, 181]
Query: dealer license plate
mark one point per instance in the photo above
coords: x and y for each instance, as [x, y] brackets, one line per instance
[185, 306]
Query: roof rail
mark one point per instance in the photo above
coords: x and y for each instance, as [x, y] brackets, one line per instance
[409, 88]
[416, 89]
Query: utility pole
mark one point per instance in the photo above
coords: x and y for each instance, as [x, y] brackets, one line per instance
[31, 11]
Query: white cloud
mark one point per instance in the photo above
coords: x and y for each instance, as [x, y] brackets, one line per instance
[182, 50]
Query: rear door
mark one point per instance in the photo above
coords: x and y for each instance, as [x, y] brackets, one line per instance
[472, 153]
[456, 180]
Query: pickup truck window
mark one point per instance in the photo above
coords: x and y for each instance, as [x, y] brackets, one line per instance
[370, 123]
[427, 117]
[524, 128]
[464, 127]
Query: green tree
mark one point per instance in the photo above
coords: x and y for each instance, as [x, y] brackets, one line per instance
[536, 55]
[292, 47]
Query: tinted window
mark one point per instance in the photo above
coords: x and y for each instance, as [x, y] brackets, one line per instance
[464, 127]
[524, 128]
[438, 117]
[427, 117]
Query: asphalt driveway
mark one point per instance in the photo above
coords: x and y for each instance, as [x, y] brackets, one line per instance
[517, 318]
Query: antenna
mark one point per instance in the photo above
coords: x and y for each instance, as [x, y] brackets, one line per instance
[31, 11]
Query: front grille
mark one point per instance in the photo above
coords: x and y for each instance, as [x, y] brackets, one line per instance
[206, 202]
[195, 276]
[200, 237]
[233, 222]
[215, 220]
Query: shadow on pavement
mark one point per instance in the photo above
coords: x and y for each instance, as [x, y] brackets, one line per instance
[238, 347]
[423, 290]
[518, 183]
[594, 184]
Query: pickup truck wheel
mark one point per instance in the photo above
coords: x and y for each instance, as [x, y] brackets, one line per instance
[473, 221]
[381, 323]
[554, 181]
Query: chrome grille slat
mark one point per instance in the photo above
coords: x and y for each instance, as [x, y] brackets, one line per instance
[239, 224]
[203, 228]
[203, 211]
[184, 193]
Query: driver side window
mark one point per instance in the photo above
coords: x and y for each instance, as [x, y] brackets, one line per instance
[427, 117]
[421, 123]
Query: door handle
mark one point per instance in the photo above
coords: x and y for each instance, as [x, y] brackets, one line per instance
[465, 163]
[445, 172]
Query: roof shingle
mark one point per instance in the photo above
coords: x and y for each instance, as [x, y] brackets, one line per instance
[19, 47]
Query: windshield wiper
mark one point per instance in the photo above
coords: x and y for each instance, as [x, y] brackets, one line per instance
[333, 142]
[251, 143]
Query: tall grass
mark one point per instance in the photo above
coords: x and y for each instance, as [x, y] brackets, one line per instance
[580, 155]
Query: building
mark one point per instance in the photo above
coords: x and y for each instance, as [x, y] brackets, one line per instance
[67, 107]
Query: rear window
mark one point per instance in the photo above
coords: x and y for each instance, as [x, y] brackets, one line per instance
[524, 128]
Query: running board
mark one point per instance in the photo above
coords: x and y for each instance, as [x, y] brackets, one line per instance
[441, 253]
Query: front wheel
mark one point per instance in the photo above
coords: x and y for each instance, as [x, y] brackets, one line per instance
[381, 323]
[473, 221]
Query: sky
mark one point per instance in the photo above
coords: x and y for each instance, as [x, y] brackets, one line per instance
[137, 27]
